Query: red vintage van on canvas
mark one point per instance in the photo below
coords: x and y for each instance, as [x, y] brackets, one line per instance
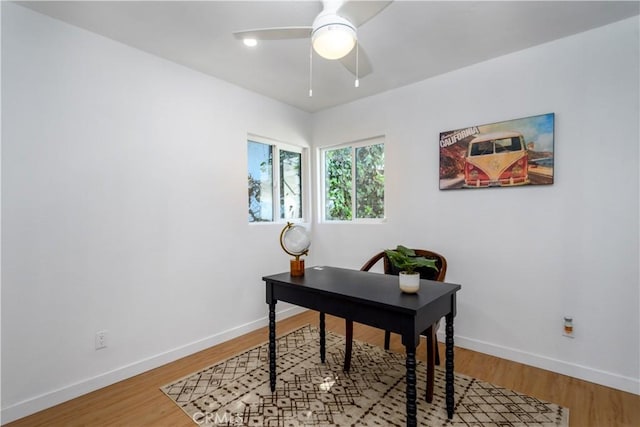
[496, 159]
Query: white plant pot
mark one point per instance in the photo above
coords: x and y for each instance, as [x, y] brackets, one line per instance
[409, 282]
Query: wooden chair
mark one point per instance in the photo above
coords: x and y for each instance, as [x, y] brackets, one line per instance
[433, 354]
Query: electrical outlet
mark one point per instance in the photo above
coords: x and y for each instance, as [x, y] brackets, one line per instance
[567, 329]
[101, 340]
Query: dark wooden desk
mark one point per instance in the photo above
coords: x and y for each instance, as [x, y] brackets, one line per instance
[372, 299]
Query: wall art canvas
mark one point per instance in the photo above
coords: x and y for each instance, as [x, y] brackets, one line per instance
[504, 154]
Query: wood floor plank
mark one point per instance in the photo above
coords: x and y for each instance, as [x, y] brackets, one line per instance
[138, 401]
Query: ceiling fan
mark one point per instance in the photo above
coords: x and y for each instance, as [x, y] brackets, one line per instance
[333, 33]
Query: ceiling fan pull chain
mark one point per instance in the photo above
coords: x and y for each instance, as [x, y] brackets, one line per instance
[310, 70]
[357, 83]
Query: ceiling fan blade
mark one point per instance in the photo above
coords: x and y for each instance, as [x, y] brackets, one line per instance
[359, 12]
[364, 65]
[281, 33]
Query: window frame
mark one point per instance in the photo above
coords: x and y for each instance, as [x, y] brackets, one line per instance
[322, 187]
[278, 146]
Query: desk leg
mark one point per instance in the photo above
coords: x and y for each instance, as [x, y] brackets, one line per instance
[322, 338]
[411, 386]
[431, 342]
[272, 346]
[449, 364]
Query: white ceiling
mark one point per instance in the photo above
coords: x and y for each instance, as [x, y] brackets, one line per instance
[407, 42]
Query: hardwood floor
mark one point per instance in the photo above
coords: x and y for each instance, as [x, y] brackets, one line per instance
[138, 401]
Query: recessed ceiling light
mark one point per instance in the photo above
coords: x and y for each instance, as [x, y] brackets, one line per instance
[250, 42]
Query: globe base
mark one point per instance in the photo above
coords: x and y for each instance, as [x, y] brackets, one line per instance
[297, 267]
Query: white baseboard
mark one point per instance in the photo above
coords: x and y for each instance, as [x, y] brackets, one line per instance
[55, 397]
[608, 379]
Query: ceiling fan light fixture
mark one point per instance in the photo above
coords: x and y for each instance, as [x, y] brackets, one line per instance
[334, 41]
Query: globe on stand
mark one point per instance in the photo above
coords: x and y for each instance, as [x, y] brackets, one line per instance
[295, 241]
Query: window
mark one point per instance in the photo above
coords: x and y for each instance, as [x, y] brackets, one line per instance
[275, 187]
[353, 181]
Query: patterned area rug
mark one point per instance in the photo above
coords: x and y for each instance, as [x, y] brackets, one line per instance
[236, 392]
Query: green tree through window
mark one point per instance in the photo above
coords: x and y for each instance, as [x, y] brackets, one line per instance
[370, 181]
[347, 191]
[338, 184]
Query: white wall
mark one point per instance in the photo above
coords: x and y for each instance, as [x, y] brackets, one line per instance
[524, 256]
[123, 208]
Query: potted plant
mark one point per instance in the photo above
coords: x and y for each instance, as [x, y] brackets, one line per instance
[407, 262]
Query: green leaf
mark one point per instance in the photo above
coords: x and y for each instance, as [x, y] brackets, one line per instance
[405, 259]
